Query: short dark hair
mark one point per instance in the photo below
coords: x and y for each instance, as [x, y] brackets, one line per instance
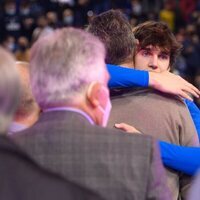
[114, 30]
[158, 34]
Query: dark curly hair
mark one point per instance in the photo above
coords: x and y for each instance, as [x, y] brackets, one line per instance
[158, 34]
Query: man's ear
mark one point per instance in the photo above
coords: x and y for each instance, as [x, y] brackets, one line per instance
[93, 93]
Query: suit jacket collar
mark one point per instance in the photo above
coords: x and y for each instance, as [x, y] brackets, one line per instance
[71, 109]
[61, 116]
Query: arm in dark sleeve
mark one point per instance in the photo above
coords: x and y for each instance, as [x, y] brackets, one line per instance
[126, 77]
[184, 159]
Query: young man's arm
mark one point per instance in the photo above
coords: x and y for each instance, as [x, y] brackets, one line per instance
[184, 159]
[127, 77]
[165, 81]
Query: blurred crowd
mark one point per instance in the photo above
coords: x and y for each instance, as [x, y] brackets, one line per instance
[22, 22]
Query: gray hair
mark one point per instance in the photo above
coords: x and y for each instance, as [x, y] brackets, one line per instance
[63, 64]
[9, 89]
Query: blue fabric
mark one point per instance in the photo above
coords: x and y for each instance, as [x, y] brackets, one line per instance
[126, 77]
[195, 114]
[185, 159]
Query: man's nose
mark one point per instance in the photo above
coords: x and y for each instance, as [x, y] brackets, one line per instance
[153, 63]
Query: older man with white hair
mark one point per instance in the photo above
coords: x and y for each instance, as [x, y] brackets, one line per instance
[21, 178]
[69, 82]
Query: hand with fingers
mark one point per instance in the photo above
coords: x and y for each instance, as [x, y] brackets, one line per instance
[173, 84]
[127, 128]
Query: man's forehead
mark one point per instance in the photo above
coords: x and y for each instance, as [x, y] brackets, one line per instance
[157, 48]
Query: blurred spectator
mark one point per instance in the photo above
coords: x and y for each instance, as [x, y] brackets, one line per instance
[11, 20]
[68, 17]
[23, 54]
[187, 7]
[25, 9]
[36, 8]
[68, 2]
[10, 44]
[28, 26]
[52, 20]
[80, 12]
[167, 14]
[136, 8]
[133, 21]
[42, 28]
[27, 19]
[180, 65]
[191, 51]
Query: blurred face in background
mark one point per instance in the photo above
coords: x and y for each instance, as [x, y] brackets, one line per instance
[68, 17]
[10, 8]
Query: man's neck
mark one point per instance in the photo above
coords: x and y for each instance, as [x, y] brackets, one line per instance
[128, 64]
[79, 106]
[28, 120]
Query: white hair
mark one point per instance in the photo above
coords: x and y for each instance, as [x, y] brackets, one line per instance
[63, 64]
[9, 89]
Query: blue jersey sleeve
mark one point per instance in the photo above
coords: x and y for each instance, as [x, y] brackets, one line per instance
[195, 114]
[127, 77]
[184, 159]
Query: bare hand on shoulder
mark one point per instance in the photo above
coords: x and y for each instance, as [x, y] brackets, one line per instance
[126, 127]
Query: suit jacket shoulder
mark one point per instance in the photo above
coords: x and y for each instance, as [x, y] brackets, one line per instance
[21, 178]
[109, 162]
